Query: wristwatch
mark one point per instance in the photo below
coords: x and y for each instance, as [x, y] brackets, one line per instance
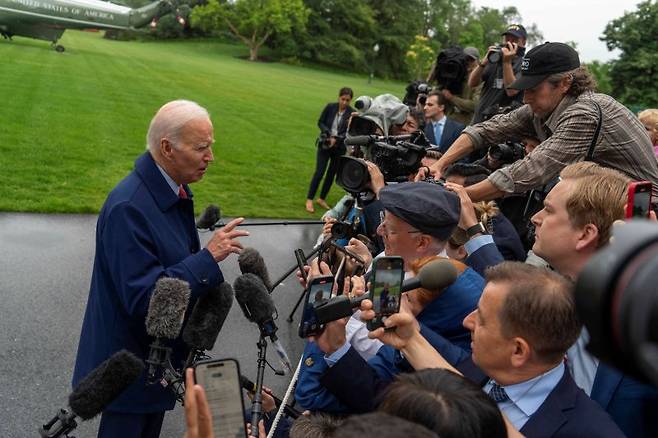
[476, 229]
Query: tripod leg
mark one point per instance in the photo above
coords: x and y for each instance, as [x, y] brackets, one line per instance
[291, 270]
[299, 301]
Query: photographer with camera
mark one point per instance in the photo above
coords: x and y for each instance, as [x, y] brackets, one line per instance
[496, 71]
[572, 121]
[330, 145]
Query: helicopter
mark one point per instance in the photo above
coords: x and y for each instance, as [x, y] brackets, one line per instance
[48, 19]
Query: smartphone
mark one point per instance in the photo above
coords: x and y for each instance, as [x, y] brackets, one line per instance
[221, 381]
[385, 284]
[639, 199]
[319, 290]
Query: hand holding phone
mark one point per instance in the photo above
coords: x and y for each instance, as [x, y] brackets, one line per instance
[319, 290]
[386, 283]
[220, 380]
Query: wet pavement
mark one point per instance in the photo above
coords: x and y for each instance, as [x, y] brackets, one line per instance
[45, 270]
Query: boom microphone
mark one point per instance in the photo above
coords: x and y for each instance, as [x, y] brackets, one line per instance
[433, 276]
[210, 216]
[95, 392]
[164, 321]
[251, 262]
[258, 307]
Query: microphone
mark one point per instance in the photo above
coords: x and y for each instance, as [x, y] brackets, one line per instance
[258, 307]
[359, 140]
[434, 276]
[210, 216]
[206, 321]
[251, 262]
[164, 321]
[251, 387]
[97, 390]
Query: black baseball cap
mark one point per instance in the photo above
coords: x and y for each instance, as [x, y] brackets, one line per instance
[543, 61]
[516, 30]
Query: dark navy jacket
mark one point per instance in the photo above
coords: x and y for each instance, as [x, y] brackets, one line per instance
[451, 130]
[144, 232]
[443, 315]
[327, 119]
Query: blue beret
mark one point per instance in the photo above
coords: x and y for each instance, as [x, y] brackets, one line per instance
[428, 207]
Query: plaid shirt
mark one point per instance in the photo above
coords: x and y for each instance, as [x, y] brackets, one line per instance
[565, 138]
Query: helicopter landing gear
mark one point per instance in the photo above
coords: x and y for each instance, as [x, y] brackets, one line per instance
[58, 47]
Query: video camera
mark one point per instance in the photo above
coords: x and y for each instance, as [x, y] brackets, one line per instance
[396, 156]
[450, 69]
[617, 299]
[324, 140]
[416, 91]
[495, 55]
[507, 153]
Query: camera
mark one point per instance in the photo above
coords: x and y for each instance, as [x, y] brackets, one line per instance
[617, 299]
[396, 157]
[323, 140]
[494, 56]
[416, 91]
[506, 153]
[362, 103]
[451, 69]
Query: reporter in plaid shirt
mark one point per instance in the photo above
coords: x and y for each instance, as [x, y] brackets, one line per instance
[561, 111]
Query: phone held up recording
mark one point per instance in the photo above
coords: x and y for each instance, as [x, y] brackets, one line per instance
[385, 285]
[318, 290]
[639, 199]
[220, 380]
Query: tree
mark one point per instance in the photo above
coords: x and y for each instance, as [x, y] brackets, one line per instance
[252, 21]
[420, 56]
[633, 76]
[601, 72]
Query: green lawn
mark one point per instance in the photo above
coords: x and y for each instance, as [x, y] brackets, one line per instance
[72, 124]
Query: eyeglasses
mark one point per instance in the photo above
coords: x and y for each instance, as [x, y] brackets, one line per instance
[386, 232]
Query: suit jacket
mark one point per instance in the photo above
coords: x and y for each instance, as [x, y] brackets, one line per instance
[327, 119]
[631, 404]
[567, 411]
[144, 232]
[451, 130]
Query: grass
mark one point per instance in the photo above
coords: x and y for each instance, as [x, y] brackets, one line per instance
[72, 124]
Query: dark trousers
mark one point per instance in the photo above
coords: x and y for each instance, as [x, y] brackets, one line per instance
[119, 425]
[322, 158]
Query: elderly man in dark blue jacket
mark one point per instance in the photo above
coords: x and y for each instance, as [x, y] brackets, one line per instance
[146, 231]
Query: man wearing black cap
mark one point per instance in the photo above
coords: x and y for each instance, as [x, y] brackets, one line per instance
[572, 122]
[497, 70]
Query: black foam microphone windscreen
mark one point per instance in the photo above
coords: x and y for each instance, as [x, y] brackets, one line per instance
[167, 308]
[209, 217]
[104, 384]
[435, 275]
[253, 298]
[251, 262]
[207, 318]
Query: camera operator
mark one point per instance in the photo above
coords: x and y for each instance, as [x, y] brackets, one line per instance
[333, 126]
[497, 70]
[575, 224]
[562, 111]
[439, 129]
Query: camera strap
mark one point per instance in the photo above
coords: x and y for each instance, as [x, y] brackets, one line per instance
[597, 132]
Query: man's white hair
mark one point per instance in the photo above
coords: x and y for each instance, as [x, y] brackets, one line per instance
[168, 122]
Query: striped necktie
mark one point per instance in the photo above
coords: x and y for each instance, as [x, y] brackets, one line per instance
[497, 393]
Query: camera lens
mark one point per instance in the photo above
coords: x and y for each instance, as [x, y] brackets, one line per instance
[494, 57]
[352, 174]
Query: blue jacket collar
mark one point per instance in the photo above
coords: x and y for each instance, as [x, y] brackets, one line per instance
[154, 181]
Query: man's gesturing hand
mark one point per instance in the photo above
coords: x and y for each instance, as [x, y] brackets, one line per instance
[224, 241]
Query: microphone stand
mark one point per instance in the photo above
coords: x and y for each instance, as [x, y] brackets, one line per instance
[65, 421]
[220, 224]
[257, 403]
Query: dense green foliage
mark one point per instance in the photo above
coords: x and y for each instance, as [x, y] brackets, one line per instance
[634, 75]
[73, 123]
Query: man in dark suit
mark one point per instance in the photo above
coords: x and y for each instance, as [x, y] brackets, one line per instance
[575, 223]
[330, 145]
[439, 129]
[146, 231]
[525, 321]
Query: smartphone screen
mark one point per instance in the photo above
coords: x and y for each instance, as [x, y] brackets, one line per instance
[318, 290]
[221, 381]
[639, 199]
[385, 284]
